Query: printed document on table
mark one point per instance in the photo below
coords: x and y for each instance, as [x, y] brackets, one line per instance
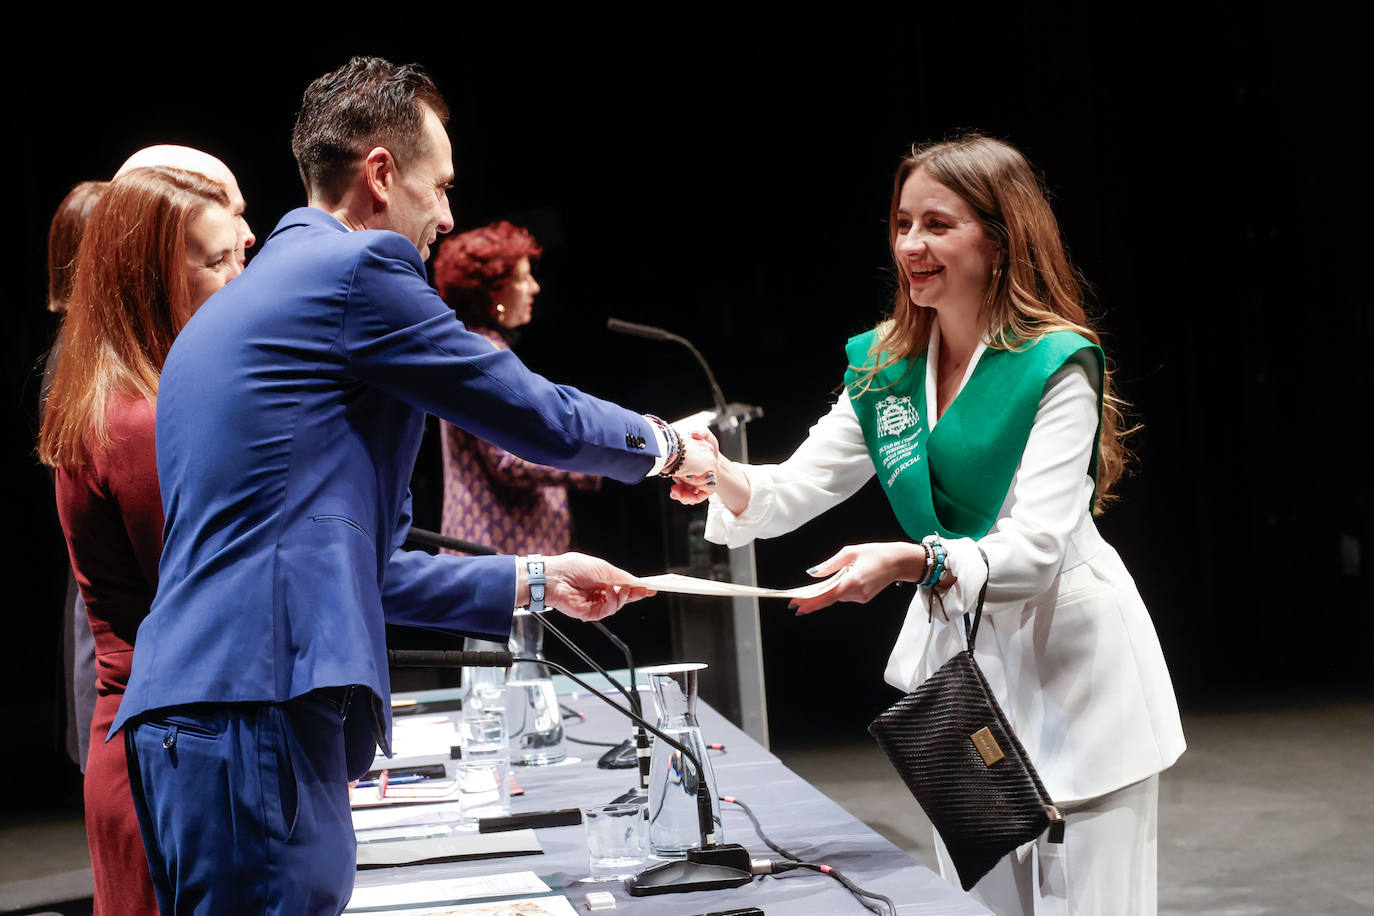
[442, 891]
[689, 585]
[533, 906]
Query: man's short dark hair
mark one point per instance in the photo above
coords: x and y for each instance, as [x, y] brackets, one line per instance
[366, 103]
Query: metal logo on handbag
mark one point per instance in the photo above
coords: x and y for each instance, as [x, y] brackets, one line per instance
[987, 746]
[953, 747]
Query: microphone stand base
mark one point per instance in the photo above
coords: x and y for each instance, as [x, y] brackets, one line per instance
[624, 756]
[685, 876]
[635, 796]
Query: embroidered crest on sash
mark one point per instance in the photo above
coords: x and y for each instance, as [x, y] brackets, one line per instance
[894, 415]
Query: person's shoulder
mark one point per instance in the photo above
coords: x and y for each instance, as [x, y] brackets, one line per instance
[130, 422]
[863, 343]
[325, 235]
[1066, 339]
[130, 415]
[383, 244]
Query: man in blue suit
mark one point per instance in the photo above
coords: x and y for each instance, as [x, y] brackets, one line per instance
[289, 416]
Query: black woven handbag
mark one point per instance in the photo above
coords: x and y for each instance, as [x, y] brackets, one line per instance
[954, 749]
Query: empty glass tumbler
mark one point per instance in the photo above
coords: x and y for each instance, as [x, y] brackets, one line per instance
[615, 841]
[484, 689]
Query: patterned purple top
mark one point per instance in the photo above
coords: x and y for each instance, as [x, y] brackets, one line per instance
[493, 497]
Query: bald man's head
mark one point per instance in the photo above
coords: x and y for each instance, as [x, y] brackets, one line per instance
[193, 160]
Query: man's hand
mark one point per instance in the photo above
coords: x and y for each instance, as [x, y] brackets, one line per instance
[578, 585]
[872, 568]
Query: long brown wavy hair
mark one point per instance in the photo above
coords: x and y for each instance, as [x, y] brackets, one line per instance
[130, 297]
[1036, 292]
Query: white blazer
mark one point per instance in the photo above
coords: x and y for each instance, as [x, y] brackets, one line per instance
[1065, 642]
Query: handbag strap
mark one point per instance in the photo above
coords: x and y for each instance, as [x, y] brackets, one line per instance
[971, 629]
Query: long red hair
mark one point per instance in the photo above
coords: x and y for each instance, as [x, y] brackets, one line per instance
[64, 238]
[129, 299]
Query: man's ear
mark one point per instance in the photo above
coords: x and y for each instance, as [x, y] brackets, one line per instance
[379, 171]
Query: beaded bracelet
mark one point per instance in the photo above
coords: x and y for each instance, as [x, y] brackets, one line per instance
[936, 569]
[677, 453]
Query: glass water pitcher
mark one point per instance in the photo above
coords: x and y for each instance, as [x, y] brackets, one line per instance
[534, 720]
[674, 827]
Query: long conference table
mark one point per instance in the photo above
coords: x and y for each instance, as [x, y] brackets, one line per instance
[793, 813]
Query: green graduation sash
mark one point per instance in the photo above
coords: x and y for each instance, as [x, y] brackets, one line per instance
[953, 482]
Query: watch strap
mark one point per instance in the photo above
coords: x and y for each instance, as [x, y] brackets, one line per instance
[534, 571]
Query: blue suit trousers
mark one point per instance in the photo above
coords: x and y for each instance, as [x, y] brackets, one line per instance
[244, 807]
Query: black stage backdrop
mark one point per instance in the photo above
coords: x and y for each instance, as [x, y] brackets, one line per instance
[729, 181]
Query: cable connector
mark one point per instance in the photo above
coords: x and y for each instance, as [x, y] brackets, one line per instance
[772, 866]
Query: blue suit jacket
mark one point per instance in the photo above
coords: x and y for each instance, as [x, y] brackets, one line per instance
[288, 420]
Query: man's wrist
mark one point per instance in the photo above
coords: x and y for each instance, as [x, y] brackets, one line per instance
[534, 582]
[522, 584]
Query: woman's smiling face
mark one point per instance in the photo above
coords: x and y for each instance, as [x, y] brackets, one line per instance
[941, 246]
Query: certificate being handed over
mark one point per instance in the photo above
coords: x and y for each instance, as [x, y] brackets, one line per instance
[689, 585]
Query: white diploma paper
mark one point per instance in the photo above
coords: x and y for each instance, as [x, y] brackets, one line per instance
[445, 890]
[688, 585]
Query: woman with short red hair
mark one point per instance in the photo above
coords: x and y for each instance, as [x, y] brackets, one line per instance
[491, 496]
[157, 245]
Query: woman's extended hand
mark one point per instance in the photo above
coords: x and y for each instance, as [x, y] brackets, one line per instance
[872, 568]
[700, 455]
[700, 470]
[717, 475]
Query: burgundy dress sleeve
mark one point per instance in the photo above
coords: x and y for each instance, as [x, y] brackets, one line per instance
[111, 513]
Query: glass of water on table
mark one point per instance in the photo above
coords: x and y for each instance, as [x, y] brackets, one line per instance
[615, 841]
[483, 773]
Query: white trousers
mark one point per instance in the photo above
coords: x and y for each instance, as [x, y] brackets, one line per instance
[1108, 862]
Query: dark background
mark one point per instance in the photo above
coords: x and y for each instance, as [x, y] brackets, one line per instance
[730, 182]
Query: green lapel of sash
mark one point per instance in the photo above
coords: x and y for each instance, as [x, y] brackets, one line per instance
[953, 481]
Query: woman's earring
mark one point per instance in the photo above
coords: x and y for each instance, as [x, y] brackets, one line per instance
[500, 309]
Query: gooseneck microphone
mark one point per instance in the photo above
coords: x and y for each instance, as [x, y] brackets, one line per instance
[448, 658]
[653, 333]
[629, 752]
[586, 659]
[708, 867]
[632, 752]
[419, 537]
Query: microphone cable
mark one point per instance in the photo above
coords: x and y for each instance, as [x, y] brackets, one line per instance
[794, 861]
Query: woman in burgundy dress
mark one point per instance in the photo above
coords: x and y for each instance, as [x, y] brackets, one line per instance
[491, 496]
[158, 244]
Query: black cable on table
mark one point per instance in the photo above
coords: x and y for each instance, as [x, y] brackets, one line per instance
[795, 861]
[568, 737]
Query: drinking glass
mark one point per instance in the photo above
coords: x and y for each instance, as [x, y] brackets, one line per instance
[615, 841]
[483, 787]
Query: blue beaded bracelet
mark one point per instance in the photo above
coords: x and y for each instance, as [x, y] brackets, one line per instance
[937, 568]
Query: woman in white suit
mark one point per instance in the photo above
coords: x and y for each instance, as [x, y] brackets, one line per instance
[985, 407]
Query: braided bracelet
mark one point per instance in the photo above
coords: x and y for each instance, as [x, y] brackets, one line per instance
[677, 453]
